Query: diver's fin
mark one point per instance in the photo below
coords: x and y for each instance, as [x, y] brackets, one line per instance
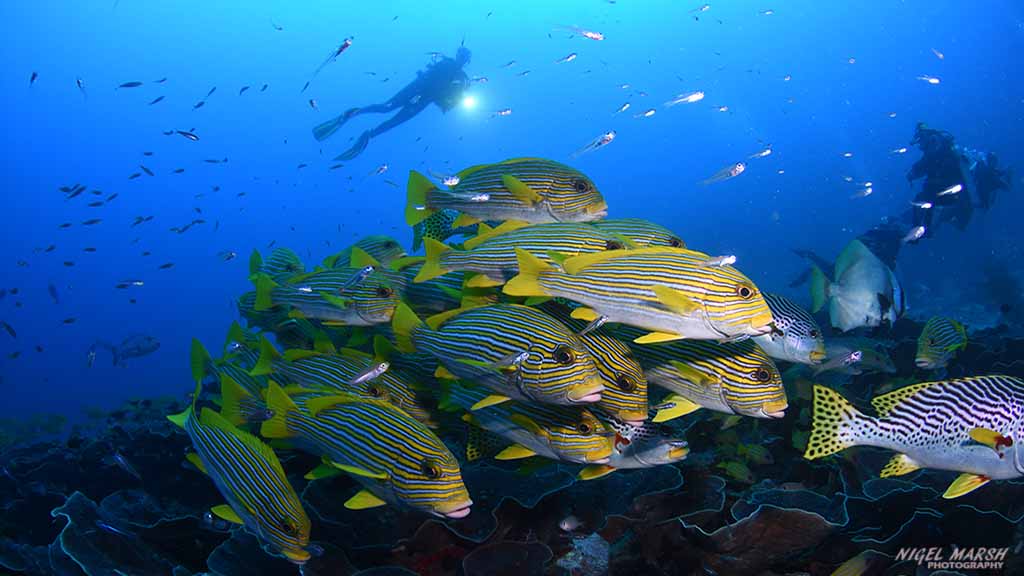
[965, 484]
[324, 131]
[899, 465]
[363, 500]
[227, 513]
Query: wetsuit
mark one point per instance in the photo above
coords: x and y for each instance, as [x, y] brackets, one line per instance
[442, 83]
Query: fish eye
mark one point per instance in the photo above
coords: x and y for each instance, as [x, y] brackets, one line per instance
[626, 383]
[584, 428]
[375, 391]
[385, 292]
[564, 355]
[430, 469]
[581, 185]
[762, 375]
[613, 245]
[745, 292]
[676, 243]
[814, 333]
[931, 341]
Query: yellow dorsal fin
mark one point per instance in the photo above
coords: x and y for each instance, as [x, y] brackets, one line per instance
[362, 500]
[472, 169]
[681, 407]
[657, 337]
[318, 405]
[886, 402]
[399, 264]
[965, 484]
[490, 400]
[514, 452]
[521, 191]
[361, 258]
[675, 300]
[293, 354]
[227, 513]
[357, 471]
[577, 263]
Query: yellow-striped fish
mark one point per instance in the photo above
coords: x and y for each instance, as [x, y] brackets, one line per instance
[516, 351]
[531, 189]
[249, 476]
[729, 377]
[673, 292]
[383, 249]
[625, 385]
[281, 265]
[338, 296]
[568, 433]
[346, 372]
[643, 233]
[396, 458]
[940, 341]
[492, 253]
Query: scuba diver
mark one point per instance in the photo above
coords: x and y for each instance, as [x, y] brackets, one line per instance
[952, 176]
[442, 83]
[956, 181]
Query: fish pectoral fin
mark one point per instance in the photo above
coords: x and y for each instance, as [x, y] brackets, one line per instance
[584, 313]
[692, 374]
[965, 484]
[362, 500]
[899, 465]
[336, 301]
[324, 470]
[356, 471]
[491, 400]
[595, 471]
[444, 373]
[676, 406]
[656, 337]
[227, 513]
[514, 452]
[521, 191]
[675, 300]
[527, 423]
[465, 220]
[990, 438]
[193, 459]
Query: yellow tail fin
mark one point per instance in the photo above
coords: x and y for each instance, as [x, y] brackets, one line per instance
[432, 267]
[836, 424]
[404, 323]
[280, 405]
[417, 191]
[526, 283]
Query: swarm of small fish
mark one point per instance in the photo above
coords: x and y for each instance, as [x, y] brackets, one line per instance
[532, 327]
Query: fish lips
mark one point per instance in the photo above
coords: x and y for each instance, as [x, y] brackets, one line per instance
[925, 363]
[461, 510]
[584, 394]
